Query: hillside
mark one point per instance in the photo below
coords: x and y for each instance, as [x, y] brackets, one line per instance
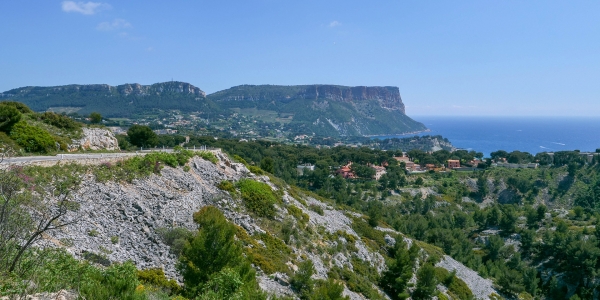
[324, 110]
[114, 101]
[143, 218]
[494, 232]
[24, 131]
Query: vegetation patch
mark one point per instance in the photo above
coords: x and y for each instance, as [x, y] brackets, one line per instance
[228, 186]
[457, 287]
[363, 229]
[258, 197]
[316, 208]
[298, 214]
[32, 139]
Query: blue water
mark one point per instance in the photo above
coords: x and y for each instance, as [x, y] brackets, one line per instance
[531, 134]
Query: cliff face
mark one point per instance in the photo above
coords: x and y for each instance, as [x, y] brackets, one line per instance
[108, 90]
[327, 110]
[159, 88]
[111, 101]
[388, 96]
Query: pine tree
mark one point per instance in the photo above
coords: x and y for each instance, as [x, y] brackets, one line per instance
[395, 280]
[426, 283]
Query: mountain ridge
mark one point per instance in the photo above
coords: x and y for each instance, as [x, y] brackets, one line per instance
[322, 109]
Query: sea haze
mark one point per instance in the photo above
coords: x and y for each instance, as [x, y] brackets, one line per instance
[531, 134]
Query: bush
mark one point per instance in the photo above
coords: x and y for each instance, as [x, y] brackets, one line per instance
[124, 143]
[60, 121]
[32, 139]
[9, 116]
[256, 170]
[206, 155]
[457, 287]
[157, 278]
[365, 230]
[211, 251]
[142, 136]
[95, 118]
[22, 108]
[258, 197]
[175, 238]
[302, 282]
[298, 214]
[316, 208]
[7, 143]
[226, 185]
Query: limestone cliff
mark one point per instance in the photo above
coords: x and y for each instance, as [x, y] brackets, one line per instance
[95, 139]
[387, 96]
[111, 101]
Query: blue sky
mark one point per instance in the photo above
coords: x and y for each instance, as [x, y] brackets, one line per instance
[447, 57]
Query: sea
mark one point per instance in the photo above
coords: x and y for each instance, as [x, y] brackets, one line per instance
[530, 134]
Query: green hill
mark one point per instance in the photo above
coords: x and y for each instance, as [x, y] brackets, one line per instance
[112, 101]
[327, 110]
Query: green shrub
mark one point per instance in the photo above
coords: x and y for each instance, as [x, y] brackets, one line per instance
[355, 282]
[9, 116]
[272, 257]
[226, 185]
[240, 159]
[455, 285]
[256, 170]
[22, 108]
[208, 156]
[60, 121]
[114, 239]
[364, 230]
[316, 208]
[7, 143]
[96, 258]
[32, 139]
[302, 282]
[116, 282]
[258, 197]
[175, 238]
[157, 278]
[298, 214]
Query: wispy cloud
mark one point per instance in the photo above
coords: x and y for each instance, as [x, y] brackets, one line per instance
[114, 25]
[335, 24]
[86, 8]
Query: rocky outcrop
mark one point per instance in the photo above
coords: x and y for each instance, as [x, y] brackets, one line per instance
[95, 139]
[387, 96]
[159, 88]
[482, 288]
[120, 221]
[107, 90]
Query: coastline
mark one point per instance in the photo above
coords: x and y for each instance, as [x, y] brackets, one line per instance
[398, 134]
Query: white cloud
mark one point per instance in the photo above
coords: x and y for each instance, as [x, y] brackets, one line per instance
[86, 8]
[114, 25]
[335, 24]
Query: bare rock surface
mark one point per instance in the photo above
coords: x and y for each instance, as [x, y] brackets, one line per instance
[95, 139]
[120, 221]
[482, 288]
